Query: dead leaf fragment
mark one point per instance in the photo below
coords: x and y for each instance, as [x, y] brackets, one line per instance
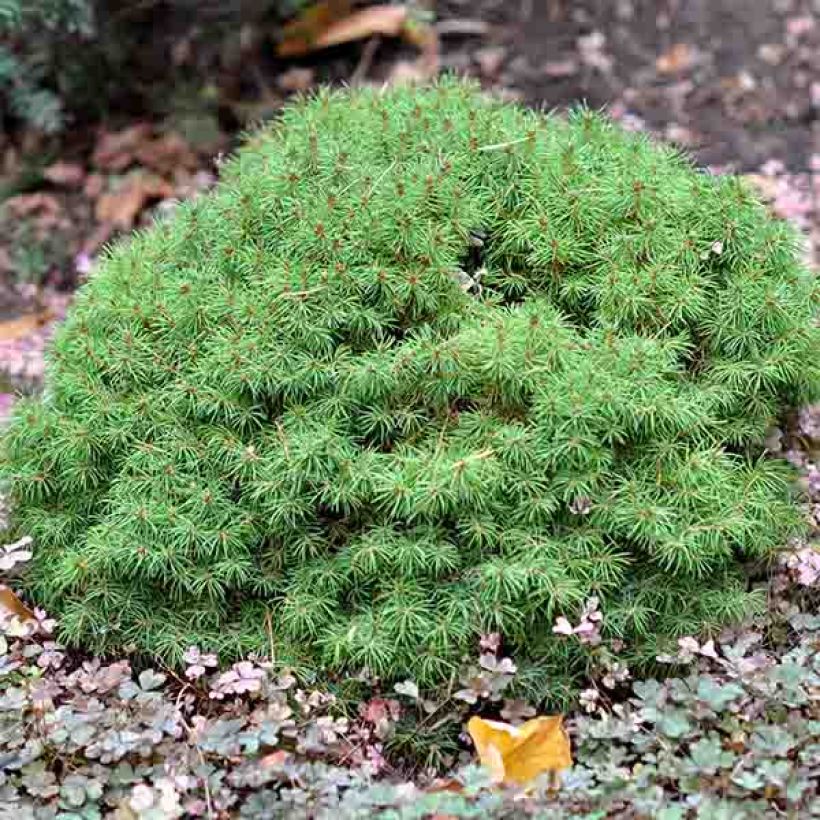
[445, 784]
[43, 205]
[680, 57]
[116, 150]
[275, 759]
[519, 754]
[330, 23]
[167, 154]
[299, 35]
[100, 235]
[65, 174]
[94, 185]
[386, 20]
[10, 604]
[23, 326]
[121, 207]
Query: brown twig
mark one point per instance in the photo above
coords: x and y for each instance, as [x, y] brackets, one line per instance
[365, 61]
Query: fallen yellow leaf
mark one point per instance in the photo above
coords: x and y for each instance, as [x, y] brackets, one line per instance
[519, 754]
[12, 605]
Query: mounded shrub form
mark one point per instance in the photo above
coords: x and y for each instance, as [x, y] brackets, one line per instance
[424, 366]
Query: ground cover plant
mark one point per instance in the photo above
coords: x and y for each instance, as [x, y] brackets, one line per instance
[425, 366]
[734, 732]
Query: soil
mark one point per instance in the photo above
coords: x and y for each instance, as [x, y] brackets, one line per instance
[732, 80]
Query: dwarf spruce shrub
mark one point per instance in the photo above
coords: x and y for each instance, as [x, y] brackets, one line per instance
[425, 365]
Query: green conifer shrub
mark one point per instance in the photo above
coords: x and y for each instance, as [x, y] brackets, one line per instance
[425, 365]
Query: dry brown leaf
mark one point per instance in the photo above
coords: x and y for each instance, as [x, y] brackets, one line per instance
[447, 784]
[121, 207]
[12, 605]
[384, 20]
[23, 326]
[167, 154]
[94, 185]
[66, 174]
[116, 150]
[298, 36]
[276, 759]
[323, 26]
[29, 204]
[99, 236]
[679, 57]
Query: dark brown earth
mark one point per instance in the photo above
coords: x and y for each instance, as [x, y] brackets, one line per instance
[732, 80]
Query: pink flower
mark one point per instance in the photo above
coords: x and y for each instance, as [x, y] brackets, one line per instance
[83, 264]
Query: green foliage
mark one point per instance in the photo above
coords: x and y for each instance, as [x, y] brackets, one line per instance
[63, 61]
[30, 38]
[286, 421]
